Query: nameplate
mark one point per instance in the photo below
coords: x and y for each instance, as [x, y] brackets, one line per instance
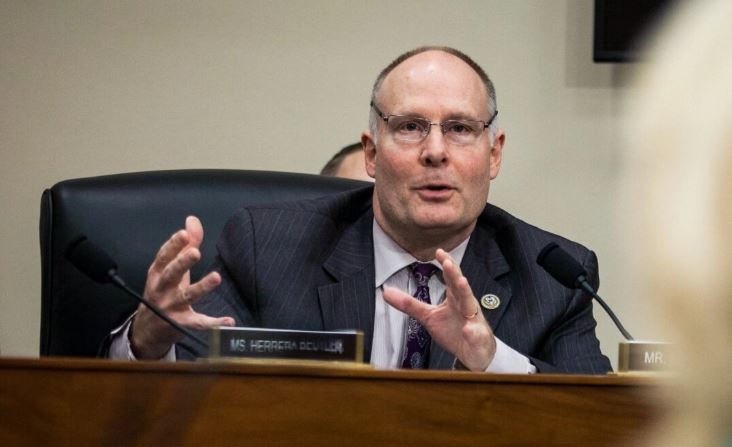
[644, 356]
[259, 343]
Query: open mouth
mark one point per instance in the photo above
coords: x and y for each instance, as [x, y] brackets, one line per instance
[435, 191]
[436, 187]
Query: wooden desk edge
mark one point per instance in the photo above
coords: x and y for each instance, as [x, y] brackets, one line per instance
[340, 371]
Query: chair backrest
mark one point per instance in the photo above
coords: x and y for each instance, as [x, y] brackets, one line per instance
[130, 216]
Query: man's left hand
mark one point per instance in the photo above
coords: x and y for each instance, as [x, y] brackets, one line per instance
[456, 324]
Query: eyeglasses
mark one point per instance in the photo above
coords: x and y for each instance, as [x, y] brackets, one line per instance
[414, 129]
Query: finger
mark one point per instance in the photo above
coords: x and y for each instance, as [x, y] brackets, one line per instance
[170, 250]
[450, 270]
[202, 322]
[195, 230]
[177, 269]
[203, 287]
[458, 288]
[451, 273]
[406, 303]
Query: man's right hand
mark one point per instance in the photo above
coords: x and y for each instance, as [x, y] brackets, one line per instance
[169, 287]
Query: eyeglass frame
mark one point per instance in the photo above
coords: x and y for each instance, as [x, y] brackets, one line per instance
[385, 118]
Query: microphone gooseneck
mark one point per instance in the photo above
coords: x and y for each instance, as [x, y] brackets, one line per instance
[95, 263]
[570, 273]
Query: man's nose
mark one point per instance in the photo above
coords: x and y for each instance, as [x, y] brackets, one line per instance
[434, 150]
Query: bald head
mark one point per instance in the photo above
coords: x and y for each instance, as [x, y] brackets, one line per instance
[489, 89]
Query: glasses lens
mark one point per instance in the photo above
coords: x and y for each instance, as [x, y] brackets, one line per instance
[462, 131]
[408, 128]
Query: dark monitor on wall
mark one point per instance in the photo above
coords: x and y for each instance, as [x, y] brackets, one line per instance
[621, 24]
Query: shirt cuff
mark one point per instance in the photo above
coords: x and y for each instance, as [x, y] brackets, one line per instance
[120, 348]
[509, 361]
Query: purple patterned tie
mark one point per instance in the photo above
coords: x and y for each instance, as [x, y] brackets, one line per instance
[417, 347]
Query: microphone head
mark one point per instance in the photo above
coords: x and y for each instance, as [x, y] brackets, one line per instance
[90, 259]
[561, 265]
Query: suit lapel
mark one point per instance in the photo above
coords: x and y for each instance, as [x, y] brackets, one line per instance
[482, 265]
[348, 303]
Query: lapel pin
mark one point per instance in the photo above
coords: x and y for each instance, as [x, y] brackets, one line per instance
[490, 301]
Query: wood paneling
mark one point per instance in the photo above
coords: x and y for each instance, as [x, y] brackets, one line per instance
[65, 402]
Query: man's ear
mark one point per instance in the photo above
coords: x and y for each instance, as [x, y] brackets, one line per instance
[496, 153]
[369, 152]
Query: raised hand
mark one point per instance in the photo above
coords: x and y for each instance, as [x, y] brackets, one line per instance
[456, 324]
[169, 287]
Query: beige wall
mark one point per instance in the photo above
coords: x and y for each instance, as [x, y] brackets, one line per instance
[90, 88]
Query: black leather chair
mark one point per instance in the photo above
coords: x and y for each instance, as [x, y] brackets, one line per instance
[130, 216]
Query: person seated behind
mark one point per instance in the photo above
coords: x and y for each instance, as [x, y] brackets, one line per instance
[348, 162]
[354, 260]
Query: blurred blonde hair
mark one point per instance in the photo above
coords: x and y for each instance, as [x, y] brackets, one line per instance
[679, 181]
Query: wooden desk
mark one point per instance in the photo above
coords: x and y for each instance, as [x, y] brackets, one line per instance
[65, 402]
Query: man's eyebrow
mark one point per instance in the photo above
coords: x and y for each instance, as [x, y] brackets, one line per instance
[411, 115]
[458, 116]
[461, 117]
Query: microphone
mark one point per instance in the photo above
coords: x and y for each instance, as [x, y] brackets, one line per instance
[95, 263]
[570, 273]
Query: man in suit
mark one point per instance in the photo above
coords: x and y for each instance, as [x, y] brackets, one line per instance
[355, 260]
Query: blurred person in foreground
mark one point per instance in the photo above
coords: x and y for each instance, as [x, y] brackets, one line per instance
[679, 185]
[349, 162]
[359, 259]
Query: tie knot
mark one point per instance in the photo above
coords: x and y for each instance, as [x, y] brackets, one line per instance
[422, 272]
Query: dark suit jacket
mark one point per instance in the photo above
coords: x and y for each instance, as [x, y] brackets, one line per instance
[309, 265]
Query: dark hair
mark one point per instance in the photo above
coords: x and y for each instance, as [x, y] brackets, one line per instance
[334, 163]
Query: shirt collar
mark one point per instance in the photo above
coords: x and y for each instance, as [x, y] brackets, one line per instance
[389, 257]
